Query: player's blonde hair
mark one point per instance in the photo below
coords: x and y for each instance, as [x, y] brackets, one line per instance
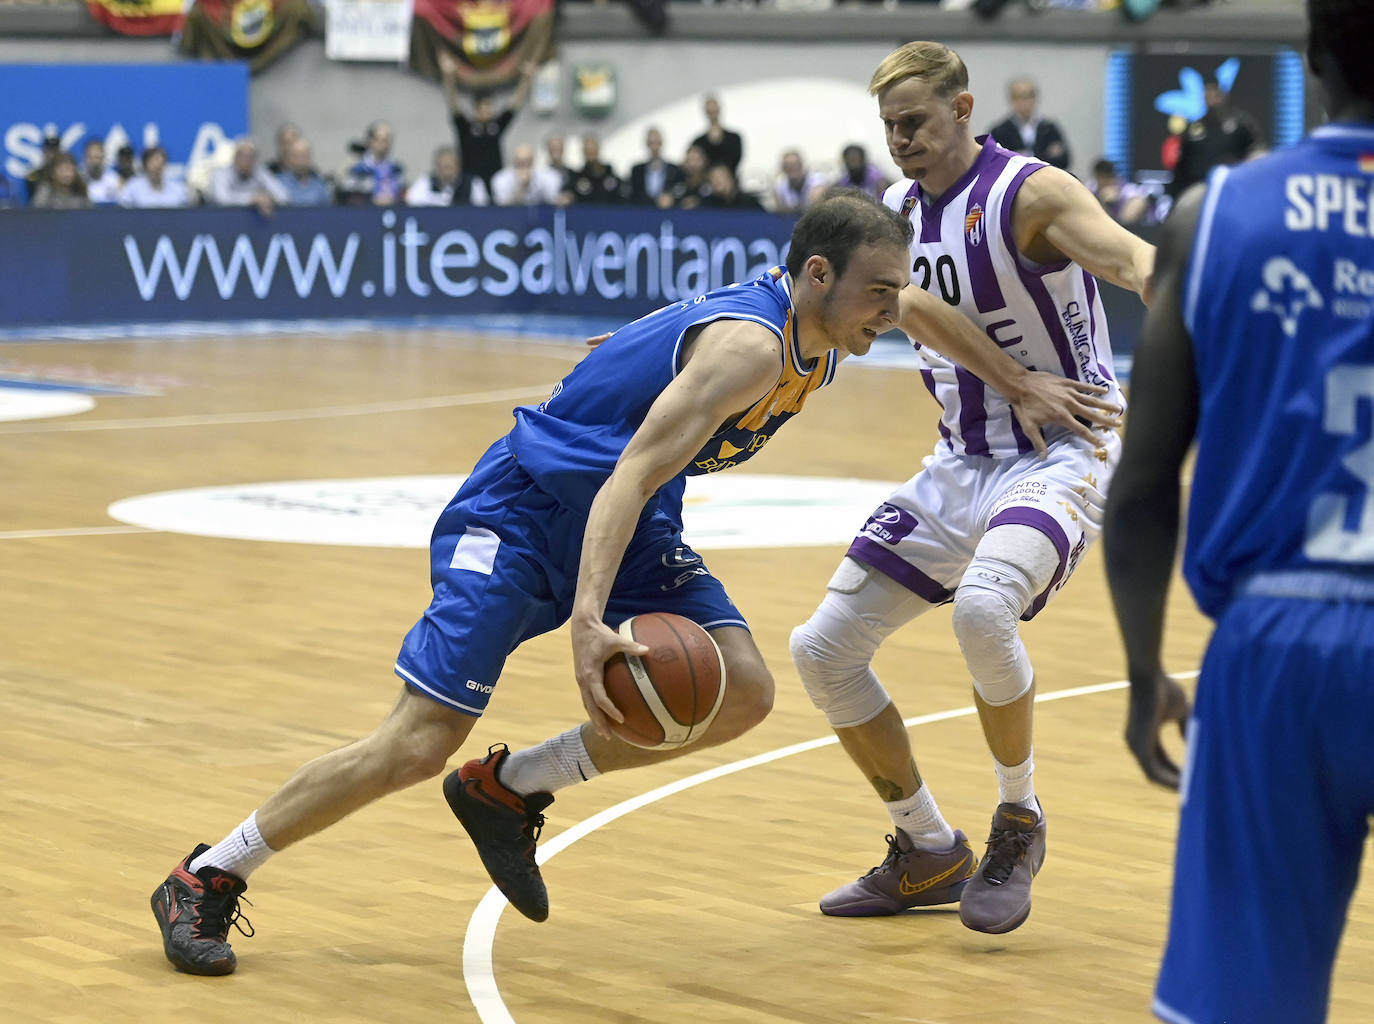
[934, 63]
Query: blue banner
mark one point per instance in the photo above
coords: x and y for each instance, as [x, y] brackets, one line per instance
[188, 109]
[115, 266]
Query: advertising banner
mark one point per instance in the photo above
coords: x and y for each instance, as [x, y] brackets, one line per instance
[188, 109]
[113, 266]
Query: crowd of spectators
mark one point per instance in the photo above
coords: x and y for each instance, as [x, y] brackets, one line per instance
[473, 170]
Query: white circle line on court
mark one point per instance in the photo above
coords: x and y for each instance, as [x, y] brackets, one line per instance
[284, 415]
[478, 967]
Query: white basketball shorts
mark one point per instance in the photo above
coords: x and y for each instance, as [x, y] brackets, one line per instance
[926, 533]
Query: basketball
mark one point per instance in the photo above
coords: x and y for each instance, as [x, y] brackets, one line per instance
[670, 695]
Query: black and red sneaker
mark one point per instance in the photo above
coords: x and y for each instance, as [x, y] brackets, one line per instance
[504, 827]
[195, 911]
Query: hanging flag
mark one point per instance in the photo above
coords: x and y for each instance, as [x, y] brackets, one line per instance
[137, 17]
[495, 39]
[258, 31]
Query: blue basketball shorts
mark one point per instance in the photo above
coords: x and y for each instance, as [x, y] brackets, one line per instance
[1277, 790]
[503, 563]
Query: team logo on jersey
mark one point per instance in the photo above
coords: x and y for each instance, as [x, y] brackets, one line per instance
[1286, 293]
[908, 204]
[973, 225]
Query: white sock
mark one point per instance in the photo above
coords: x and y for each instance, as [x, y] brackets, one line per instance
[556, 763]
[240, 853]
[921, 820]
[1015, 784]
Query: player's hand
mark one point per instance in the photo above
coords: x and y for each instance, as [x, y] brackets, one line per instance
[593, 643]
[598, 339]
[1154, 704]
[1047, 399]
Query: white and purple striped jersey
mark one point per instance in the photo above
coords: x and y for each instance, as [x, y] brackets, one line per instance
[1045, 316]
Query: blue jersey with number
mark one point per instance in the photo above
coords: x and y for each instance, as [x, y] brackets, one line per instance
[1279, 301]
[570, 443]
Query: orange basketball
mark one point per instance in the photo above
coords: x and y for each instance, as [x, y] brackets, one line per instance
[670, 695]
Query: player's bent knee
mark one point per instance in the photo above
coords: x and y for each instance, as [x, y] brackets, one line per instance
[985, 623]
[840, 684]
[748, 701]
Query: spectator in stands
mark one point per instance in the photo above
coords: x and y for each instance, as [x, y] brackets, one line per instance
[125, 165]
[725, 192]
[857, 172]
[555, 149]
[63, 188]
[523, 184]
[596, 183]
[244, 183]
[477, 123]
[102, 183]
[382, 178]
[304, 186]
[1224, 135]
[153, 189]
[652, 180]
[797, 188]
[688, 193]
[447, 185]
[1125, 202]
[1025, 131]
[287, 134]
[52, 146]
[721, 145]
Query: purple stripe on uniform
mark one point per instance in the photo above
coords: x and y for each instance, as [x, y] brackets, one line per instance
[930, 224]
[982, 276]
[889, 563]
[1049, 318]
[973, 413]
[928, 378]
[1023, 444]
[1008, 201]
[1037, 519]
[1090, 287]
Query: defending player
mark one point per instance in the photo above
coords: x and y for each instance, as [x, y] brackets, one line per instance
[990, 523]
[1261, 343]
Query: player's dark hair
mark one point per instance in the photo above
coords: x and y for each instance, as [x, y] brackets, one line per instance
[841, 222]
[1341, 30]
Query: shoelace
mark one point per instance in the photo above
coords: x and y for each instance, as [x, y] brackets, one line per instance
[893, 852]
[1006, 848]
[534, 824]
[221, 912]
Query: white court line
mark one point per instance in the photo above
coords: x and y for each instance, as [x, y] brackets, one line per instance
[75, 531]
[478, 969]
[324, 412]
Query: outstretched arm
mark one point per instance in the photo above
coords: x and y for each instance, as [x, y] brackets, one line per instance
[1038, 399]
[1141, 532]
[1055, 217]
[732, 364]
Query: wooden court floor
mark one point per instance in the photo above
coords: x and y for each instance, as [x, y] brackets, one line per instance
[156, 686]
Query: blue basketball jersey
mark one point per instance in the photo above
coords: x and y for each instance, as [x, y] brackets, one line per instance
[570, 442]
[1279, 301]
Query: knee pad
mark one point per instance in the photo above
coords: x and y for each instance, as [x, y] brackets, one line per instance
[833, 649]
[987, 606]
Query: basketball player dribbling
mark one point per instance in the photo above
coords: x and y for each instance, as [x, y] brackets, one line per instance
[576, 515]
[989, 523]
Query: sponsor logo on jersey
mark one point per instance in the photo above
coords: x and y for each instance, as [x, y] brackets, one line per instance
[1287, 292]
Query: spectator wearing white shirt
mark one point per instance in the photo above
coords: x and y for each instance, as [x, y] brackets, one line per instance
[523, 184]
[244, 183]
[153, 189]
[102, 182]
[447, 185]
[797, 188]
